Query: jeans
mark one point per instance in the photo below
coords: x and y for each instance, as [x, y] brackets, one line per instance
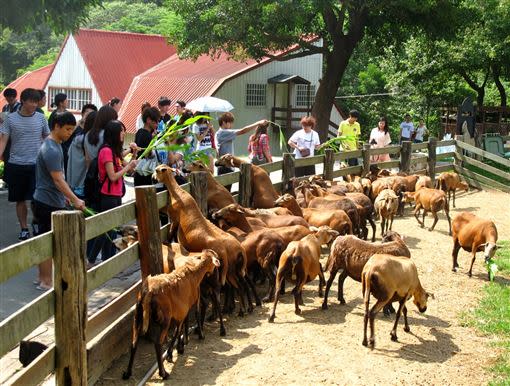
[353, 162]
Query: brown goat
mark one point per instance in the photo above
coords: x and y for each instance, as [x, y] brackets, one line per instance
[423, 182]
[449, 182]
[473, 234]
[350, 254]
[389, 279]
[300, 264]
[164, 303]
[430, 200]
[386, 206]
[274, 221]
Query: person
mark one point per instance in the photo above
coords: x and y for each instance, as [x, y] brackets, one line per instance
[180, 107]
[51, 191]
[350, 127]
[380, 137]
[143, 137]
[204, 134]
[26, 128]
[94, 138]
[226, 135]
[305, 142]
[59, 104]
[258, 146]
[406, 129]
[10, 107]
[41, 106]
[419, 132]
[176, 158]
[163, 106]
[77, 162]
[115, 103]
[111, 171]
[139, 121]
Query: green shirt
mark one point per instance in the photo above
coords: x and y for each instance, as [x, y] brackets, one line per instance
[345, 128]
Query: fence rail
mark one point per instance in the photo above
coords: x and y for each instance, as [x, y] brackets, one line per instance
[108, 329]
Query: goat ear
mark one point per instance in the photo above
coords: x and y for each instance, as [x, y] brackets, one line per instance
[232, 162]
[431, 295]
[314, 229]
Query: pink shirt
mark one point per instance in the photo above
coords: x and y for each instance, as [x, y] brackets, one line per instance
[106, 155]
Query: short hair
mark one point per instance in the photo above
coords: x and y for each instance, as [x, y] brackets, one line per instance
[88, 106]
[10, 92]
[225, 118]
[114, 101]
[308, 121]
[152, 113]
[42, 93]
[58, 99]
[62, 119]
[30, 94]
[181, 103]
[354, 113]
[407, 115]
[164, 101]
[145, 105]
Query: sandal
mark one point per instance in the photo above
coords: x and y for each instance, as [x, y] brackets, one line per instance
[42, 287]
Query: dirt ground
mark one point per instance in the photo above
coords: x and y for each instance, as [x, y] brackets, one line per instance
[324, 347]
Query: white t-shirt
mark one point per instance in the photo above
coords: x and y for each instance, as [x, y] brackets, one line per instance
[139, 122]
[382, 138]
[407, 129]
[308, 140]
[420, 131]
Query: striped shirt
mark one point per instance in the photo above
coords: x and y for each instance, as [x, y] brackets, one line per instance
[26, 135]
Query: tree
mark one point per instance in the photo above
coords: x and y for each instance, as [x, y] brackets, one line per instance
[259, 28]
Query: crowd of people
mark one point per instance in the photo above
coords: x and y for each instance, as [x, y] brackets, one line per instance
[50, 158]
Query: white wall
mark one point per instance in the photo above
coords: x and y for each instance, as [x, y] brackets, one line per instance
[71, 72]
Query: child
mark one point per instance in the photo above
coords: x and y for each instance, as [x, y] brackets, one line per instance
[51, 191]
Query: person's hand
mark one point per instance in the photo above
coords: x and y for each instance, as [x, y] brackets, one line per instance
[134, 147]
[132, 165]
[301, 148]
[78, 204]
[262, 122]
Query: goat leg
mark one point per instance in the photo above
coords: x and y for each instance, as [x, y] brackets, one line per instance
[406, 324]
[270, 292]
[137, 325]
[470, 273]
[434, 214]
[200, 326]
[162, 372]
[328, 286]
[254, 290]
[341, 280]
[455, 254]
[373, 312]
[297, 300]
[279, 279]
[372, 224]
[397, 317]
[322, 280]
[366, 299]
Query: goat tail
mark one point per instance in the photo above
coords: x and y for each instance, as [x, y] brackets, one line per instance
[146, 309]
[295, 261]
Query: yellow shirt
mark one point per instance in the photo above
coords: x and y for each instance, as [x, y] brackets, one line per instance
[345, 128]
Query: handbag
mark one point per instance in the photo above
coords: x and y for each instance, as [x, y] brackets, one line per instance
[305, 152]
[146, 166]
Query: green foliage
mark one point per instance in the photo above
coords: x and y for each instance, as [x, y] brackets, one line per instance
[40, 61]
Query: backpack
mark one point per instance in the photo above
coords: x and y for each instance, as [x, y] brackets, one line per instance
[92, 185]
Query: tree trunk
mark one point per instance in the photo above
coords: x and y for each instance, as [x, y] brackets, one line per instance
[499, 85]
[480, 90]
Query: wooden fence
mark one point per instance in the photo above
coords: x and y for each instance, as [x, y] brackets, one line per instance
[85, 347]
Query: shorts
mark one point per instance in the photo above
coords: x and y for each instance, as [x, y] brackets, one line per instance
[42, 216]
[21, 182]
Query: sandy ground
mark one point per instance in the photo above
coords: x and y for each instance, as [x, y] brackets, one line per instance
[324, 347]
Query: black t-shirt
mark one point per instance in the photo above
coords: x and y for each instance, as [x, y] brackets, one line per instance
[143, 138]
[165, 118]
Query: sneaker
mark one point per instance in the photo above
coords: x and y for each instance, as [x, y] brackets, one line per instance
[24, 234]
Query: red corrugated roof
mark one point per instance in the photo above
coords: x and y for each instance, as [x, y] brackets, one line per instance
[179, 79]
[115, 58]
[34, 79]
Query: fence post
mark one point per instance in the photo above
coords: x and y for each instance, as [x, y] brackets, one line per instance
[366, 159]
[405, 156]
[458, 152]
[198, 190]
[245, 193]
[149, 236]
[329, 163]
[70, 297]
[432, 144]
[288, 172]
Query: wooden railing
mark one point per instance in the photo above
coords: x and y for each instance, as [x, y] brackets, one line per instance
[100, 339]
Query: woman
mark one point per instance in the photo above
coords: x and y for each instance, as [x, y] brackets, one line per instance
[380, 137]
[258, 146]
[115, 103]
[204, 134]
[139, 120]
[77, 163]
[305, 142]
[419, 132]
[94, 138]
[111, 171]
[59, 104]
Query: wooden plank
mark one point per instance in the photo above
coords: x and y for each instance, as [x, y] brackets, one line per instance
[18, 325]
[421, 172]
[36, 371]
[272, 167]
[348, 154]
[245, 185]
[308, 161]
[405, 156]
[388, 164]
[393, 149]
[419, 146]
[484, 153]
[147, 219]
[484, 166]
[444, 168]
[366, 159]
[103, 272]
[445, 155]
[198, 182]
[103, 222]
[162, 198]
[288, 171]
[109, 345]
[329, 163]
[415, 160]
[487, 181]
[70, 297]
[448, 142]
[164, 232]
[107, 315]
[228, 178]
[432, 158]
[348, 170]
[24, 255]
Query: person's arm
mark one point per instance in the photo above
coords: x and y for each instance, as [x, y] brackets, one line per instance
[317, 141]
[61, 184]
[113, 175]
[246, 129]
[292, 144]
[265, 148]
[3, 142]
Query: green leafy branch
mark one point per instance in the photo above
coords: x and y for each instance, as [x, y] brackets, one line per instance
[336, 144]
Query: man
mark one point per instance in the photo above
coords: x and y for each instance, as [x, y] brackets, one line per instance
[12, 106]
[406, 129]
[351, 128]
[143, 137]
[26, 129]
[180, 106]
[163, 106]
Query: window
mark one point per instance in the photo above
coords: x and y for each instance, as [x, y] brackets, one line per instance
[255, 94]
[302, 98]
[76, 97]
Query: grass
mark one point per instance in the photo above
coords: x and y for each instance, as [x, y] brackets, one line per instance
[488, 174]
[492, 316]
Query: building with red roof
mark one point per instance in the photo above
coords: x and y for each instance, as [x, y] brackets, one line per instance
[33, 79]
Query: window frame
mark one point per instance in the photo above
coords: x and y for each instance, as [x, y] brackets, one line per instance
[73, 97]
[258, 95]
[303, 95]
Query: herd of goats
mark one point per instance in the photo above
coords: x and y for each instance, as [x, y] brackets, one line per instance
[280, 238]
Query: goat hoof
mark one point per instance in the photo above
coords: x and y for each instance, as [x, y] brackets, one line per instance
[321, 294]
[470, 274]
[271, 319]
[180, 350]
[407, 329]
[126, 375]
[258, 303]
[241, 314]
[324, 306]
[163, 375]
[169, 358]
[223, 332]
[394, 337]
[297, 311]
[365, 342]
[454, 269]
[371, 344]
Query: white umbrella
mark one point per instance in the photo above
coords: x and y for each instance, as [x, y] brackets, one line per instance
[209, 104]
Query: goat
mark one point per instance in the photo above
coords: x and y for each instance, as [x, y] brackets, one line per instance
[386, 206]
[449, 182]
[275, 221]
[431, 200]
[423, 182]
[473, 234]
[164, 303]
[300, 264]
[390, 278]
